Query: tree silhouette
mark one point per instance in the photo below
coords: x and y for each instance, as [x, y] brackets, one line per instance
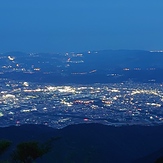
[27, 152]
[159, 160]
[4, 144]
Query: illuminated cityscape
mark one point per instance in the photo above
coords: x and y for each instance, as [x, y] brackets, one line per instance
[58, 106]
[92, 87]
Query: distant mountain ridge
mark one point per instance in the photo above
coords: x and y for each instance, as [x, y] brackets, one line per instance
[112, 58]
[87, 67]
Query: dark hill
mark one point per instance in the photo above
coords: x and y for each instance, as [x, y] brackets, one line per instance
[94, 143]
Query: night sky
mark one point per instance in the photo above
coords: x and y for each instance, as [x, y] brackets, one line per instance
[80, 25]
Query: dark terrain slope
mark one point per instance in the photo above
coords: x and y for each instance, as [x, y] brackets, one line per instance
[94, 143]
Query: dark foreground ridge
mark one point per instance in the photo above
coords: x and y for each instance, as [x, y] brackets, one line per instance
[93, 143]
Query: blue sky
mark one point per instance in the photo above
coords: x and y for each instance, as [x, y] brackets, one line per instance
[80, 25]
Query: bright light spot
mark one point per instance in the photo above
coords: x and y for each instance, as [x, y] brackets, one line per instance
[8, 96]
[154, 104]
[11, 58]
[26, 84]
[44, 108]
[1, 114]
[37, 69]
[25, 110]
[11, 113]
[50, 88]
[115, 90]
[126, 69]
[66, 89]
[66, 103]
